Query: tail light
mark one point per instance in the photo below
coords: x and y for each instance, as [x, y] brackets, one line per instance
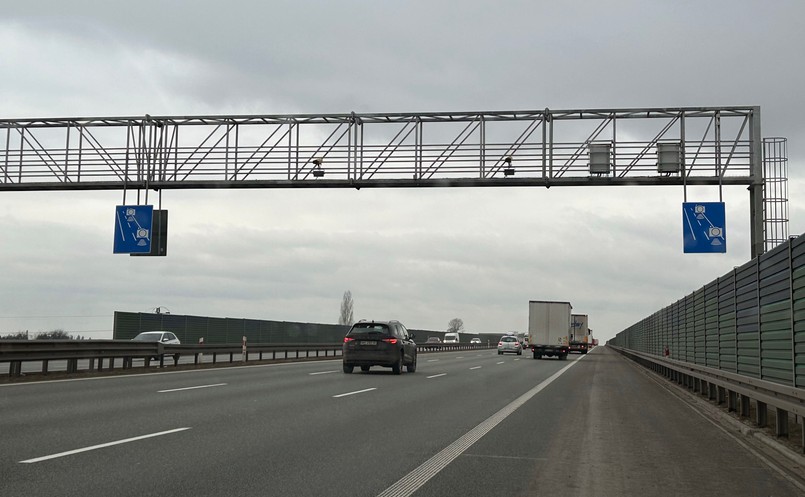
[348, 339]
[500, 344]
[390, 340]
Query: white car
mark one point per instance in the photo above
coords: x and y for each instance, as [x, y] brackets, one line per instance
[165, 337]
[475, 340]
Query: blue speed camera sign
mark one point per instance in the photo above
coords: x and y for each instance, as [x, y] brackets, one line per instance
[133, 229]
[703, 227]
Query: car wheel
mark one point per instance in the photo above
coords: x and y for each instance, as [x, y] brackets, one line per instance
[364, 368]
[500, 353]
[537, 356]
[411, 368]
[519, 352]
[396, 368]
[348, 368]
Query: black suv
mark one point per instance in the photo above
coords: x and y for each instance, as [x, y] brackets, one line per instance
[379, 343]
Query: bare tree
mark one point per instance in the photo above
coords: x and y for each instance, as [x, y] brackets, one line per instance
[455, 325]
[346, 317]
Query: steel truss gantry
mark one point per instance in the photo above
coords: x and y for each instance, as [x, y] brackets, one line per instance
[714, 146]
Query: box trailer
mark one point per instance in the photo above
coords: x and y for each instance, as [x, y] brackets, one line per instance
[549, 328]
[579, 333]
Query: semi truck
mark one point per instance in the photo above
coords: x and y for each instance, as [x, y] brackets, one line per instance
[579, 333]
[549, 328]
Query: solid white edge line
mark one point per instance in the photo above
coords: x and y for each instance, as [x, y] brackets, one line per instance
[436, 375]
[410, 483]
[353, 393]
[101, 446]
[191, 388]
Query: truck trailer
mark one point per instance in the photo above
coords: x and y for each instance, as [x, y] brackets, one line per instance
[549, 328]
[579, 333]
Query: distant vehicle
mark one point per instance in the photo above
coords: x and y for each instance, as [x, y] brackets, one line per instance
[433, 340]
[379, 343]
[165, 337]
[475, 340]
[451, 338]
[509, 343]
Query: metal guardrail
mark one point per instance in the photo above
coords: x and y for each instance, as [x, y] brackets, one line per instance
[737, 391]
[104, 354]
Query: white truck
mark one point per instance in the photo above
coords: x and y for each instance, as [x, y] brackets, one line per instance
[579, 333]
[549, 328]
[450, 337]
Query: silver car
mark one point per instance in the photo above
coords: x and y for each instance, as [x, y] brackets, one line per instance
[509, 343]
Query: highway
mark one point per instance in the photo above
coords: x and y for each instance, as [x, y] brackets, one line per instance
[465, 424]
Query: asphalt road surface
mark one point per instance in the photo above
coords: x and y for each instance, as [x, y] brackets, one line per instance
[465, 424]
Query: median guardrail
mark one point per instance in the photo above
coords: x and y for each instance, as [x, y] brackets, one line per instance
[105, 355]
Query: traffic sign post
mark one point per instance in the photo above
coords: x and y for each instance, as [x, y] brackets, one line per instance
[704, 227]
[133, 229]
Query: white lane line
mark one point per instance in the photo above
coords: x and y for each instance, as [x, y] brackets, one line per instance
[191, 388]
[517, 359]
[323, 372]
[353, 393]
[460, 357]
[501, 362]
[433, 360]
[408, 484]
[436, 375]
[479, 355]
[101, 446]
[477, 367]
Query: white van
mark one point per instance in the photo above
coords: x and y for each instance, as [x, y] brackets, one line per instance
[450, 338]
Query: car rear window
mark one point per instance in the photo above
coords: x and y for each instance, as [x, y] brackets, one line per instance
[365, 328]
[148, 337]
[509, 339]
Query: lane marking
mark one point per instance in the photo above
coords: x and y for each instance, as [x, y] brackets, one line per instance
[433, 360]
[460, 357]
[191, 388]
[410, 483]
[323, 372]
[479, 355]
[436, 375]
[353, 393]
[517, 359]
[477, 367]
[101, 446]
[502, 362]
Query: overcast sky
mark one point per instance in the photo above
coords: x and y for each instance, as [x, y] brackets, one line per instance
[420, 256]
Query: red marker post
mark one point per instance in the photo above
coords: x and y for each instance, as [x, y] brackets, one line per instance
[243, 356]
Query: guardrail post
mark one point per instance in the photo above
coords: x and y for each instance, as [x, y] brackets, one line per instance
[781, 426]
[72, 365]
[743, 410]
[711, 391]
[45, 366]
[732, 401]
[762, 414]
[92, 364]
[15, 368]
[721, 395]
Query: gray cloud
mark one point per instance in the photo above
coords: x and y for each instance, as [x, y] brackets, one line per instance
[422, 256]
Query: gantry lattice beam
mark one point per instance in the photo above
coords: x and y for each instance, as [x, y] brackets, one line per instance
[717, 146]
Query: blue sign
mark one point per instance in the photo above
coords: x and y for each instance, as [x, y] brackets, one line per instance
[133, 229]
[704, 227]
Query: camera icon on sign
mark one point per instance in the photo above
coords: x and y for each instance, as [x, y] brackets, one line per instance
[715, 232]
[142, 233]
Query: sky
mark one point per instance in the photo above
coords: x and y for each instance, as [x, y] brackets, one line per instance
[420, 256]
